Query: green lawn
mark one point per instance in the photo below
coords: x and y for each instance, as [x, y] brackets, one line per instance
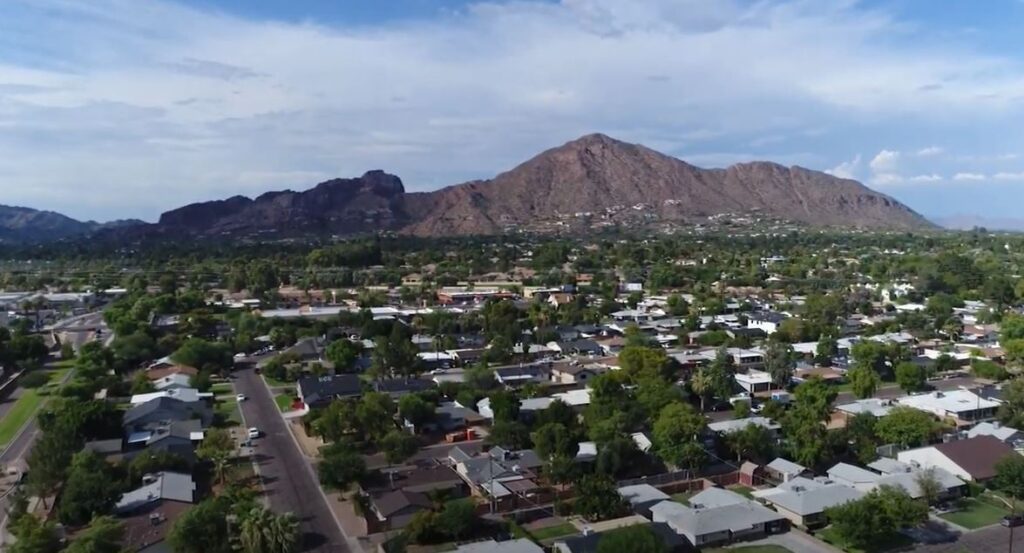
[683, 497]
[284, 401]
[22, 410]
[976, 514]
[275, 383]
[221, 388]
[556, 531]
[751, 549]
[888, 543]
[743, 490]
[227, 411]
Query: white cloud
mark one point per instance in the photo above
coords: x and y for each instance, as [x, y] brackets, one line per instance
[930, 151]
[886, 179]
[1008, 176]
[925, 178]
[150, 104]
[968, 177]
[846, 169]
[885, 161]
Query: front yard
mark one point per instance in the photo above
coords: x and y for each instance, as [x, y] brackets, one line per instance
[751, 549]
[976, 513]
[891, 542]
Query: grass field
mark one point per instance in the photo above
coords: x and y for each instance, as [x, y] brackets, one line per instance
[227, 411]
[743, 490]
[683, 497]
[556, 531]
[221, 388]
[27, 405]
[22, 410]
[284, 401]
[888, 543]
[975, 513]
[275, 383]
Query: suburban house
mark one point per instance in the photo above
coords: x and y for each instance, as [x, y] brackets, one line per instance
[575, 372]
[803, 501]
[719, 516]
[521, 545]
[973, 459]
[172, 381]
[1005, 434]
[177, 437]
[161, 411]
[783, 470]
[319, 391]
[767, 321]
[897, 474]
[875, 406]
[308, 349]
[755, 382]
[641, 497]
[188, 395]
[505, 477]
[398, 387]
[577, 347]
[962, 407]
[158, 372]
[735, 425]
[522, 374]
[590, 541]
[150, 511]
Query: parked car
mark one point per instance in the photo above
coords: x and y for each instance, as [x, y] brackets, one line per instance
[241, 397]
[1011, 521]
[254, 433]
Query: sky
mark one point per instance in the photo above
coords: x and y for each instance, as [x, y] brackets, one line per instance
[126, 108]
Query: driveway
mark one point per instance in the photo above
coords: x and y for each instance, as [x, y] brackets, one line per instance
[288, 479]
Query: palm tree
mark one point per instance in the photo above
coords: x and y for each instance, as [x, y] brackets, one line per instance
[701, 383]
[265, 532]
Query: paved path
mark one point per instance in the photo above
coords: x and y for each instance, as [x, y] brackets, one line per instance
[288, 479]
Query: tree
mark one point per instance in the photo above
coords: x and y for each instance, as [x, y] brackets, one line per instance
[340, 466]
[457, 518]
[911, 377]
[1010, 476]
[860, 434]
[751, 442]
[202, 529]
[335, 421]
[504, 405]
[597, 498]
[815, 396]
[343, 354]
[906, 427]
[394, 354]
[676, 431]
[375, 412]
[262, 531]
[554, 439]
[929, 486]
[638, 538]
[217, 447]
[91, 489]
[778, 362]
[1011, 411]
[48, 462]
[102, 536]
[398, 446]
[148, 462]
[512, 435]
[826, 349]
[34, 536]
[877, 515]
[741, 410]
[415, 409]
[616, 456]
[199, 353]
[864, 381]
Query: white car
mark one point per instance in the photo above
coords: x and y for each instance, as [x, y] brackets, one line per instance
[439, 371]
[254, 433]
[241, 397]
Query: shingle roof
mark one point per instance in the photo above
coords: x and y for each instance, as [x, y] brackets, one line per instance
[318, 388]
[804, 496]
[393, 502]
[978, 456]
[173, 408]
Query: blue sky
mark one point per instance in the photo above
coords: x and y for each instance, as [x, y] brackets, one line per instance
[126, 108]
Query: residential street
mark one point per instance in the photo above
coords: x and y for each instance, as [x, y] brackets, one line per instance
[288, 479]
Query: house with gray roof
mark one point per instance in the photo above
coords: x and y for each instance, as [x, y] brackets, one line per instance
[641, 497]
[718, 516]
[803, 500]
[156, 488]
[162, 411]
[521, 545]
[735, 425]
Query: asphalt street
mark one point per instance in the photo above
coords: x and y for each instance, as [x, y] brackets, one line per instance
[288, 479]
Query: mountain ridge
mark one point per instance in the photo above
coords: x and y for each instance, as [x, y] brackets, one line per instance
[594, 180]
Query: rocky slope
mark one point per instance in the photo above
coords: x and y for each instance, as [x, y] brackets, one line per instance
[598, 175]
[23, 224]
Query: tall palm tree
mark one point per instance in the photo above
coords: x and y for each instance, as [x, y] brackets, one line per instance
[262, 531]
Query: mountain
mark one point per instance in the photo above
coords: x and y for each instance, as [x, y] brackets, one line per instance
[372, 202]
[588, 183]
[26, 225]
[603, 177]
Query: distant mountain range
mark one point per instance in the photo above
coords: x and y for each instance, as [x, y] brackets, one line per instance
[969, 222]
[23, 224]
[594, 180]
